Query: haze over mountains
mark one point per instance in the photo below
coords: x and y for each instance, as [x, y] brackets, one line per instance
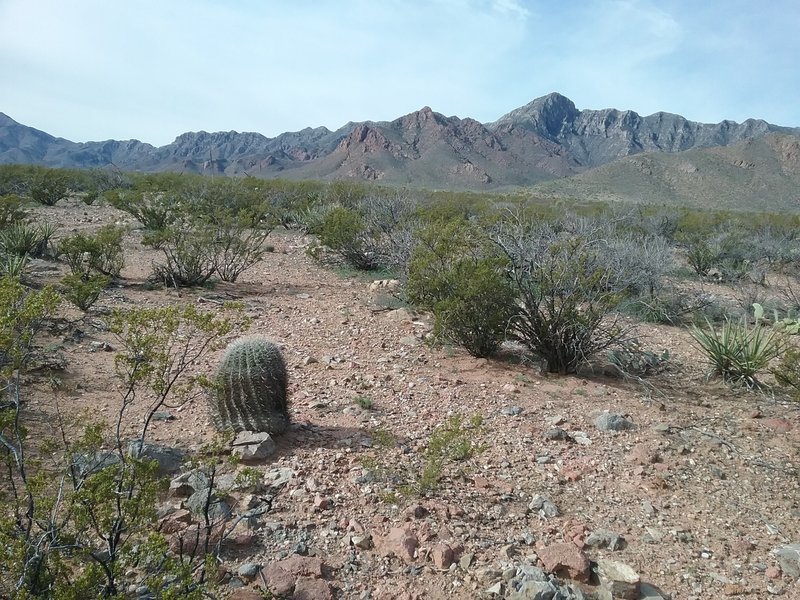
[614, 154]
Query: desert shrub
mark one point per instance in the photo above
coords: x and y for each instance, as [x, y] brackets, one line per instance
[641, 262]
[345, 232]
[189, 255]
[738, 351]
[154, 209]
[10, 210]
[83, 290]
[310, 218]
[48, 186]
[82, 525]
[100, 252]
[26, 239]
[452, 442]
[703, 253]
[456, 274]
[237, 242]
[672, 307]
[567, 292]
[787, 371]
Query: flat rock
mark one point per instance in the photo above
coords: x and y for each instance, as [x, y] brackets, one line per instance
[400, 542]
[250, 445]
[565, 560]
[621, 581]
[605, 539]
[789, 560]
[169, 459]
[613, 422]
[218, 509]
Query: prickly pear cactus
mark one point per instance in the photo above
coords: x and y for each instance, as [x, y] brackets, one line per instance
[250, 388]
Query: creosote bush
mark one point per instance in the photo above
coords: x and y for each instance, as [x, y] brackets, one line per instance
[83, 290]
[100, 252]
[457, 274]
[80, 519]
[567, 291]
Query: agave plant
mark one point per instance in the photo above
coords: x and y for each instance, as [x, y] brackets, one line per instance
[739, 351]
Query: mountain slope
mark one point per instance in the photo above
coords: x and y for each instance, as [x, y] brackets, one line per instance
[757, 174]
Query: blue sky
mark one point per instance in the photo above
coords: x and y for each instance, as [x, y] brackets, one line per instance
[152, 69]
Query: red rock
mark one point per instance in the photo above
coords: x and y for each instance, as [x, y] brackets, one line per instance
[565, 560]
[778, 425]
[279, 577]
[309, 588]
[773, 572]
[641, 454]
[442, 556]
[400, 542]
[321, 503]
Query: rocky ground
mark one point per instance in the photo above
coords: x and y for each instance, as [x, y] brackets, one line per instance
[686, 484]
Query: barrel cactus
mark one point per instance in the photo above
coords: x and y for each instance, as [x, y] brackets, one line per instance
[250, 388]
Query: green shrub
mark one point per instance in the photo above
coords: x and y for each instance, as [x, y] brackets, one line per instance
[453, 441]
[787, 372]
[189, 255]
[454, 274]
[12, 265]
[48, 186]
[10, 210]
[101, 252]
[567, 291]
[155, 210]
[83, 290]
[345, 233]
[738, 351]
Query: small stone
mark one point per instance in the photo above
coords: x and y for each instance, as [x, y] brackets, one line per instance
[246, 594]
[511, 411]
[789, 560]
[466, 561]
[362, 541]
[248, 571]
[565, 560]
[169, 459]
[556, 434]
[620, 579]
[199, 503]
[773, 573]
[400, 542]
[496, 589]
[250, 445]
[442, 556]
[613, 422]
[308, 588]
[545, 508]
[510, 389]
[605, 539]
[321, 502]
[508, 551]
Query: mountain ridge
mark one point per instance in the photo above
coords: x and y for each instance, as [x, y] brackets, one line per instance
[545, 140]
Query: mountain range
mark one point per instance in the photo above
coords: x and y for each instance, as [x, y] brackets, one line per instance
[548, 143]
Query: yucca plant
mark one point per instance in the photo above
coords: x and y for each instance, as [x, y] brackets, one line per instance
[738, 351]
[12, 265]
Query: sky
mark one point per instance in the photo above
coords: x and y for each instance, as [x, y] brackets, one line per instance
[153, 69]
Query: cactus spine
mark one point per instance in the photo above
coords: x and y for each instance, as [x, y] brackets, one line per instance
[250, 390]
